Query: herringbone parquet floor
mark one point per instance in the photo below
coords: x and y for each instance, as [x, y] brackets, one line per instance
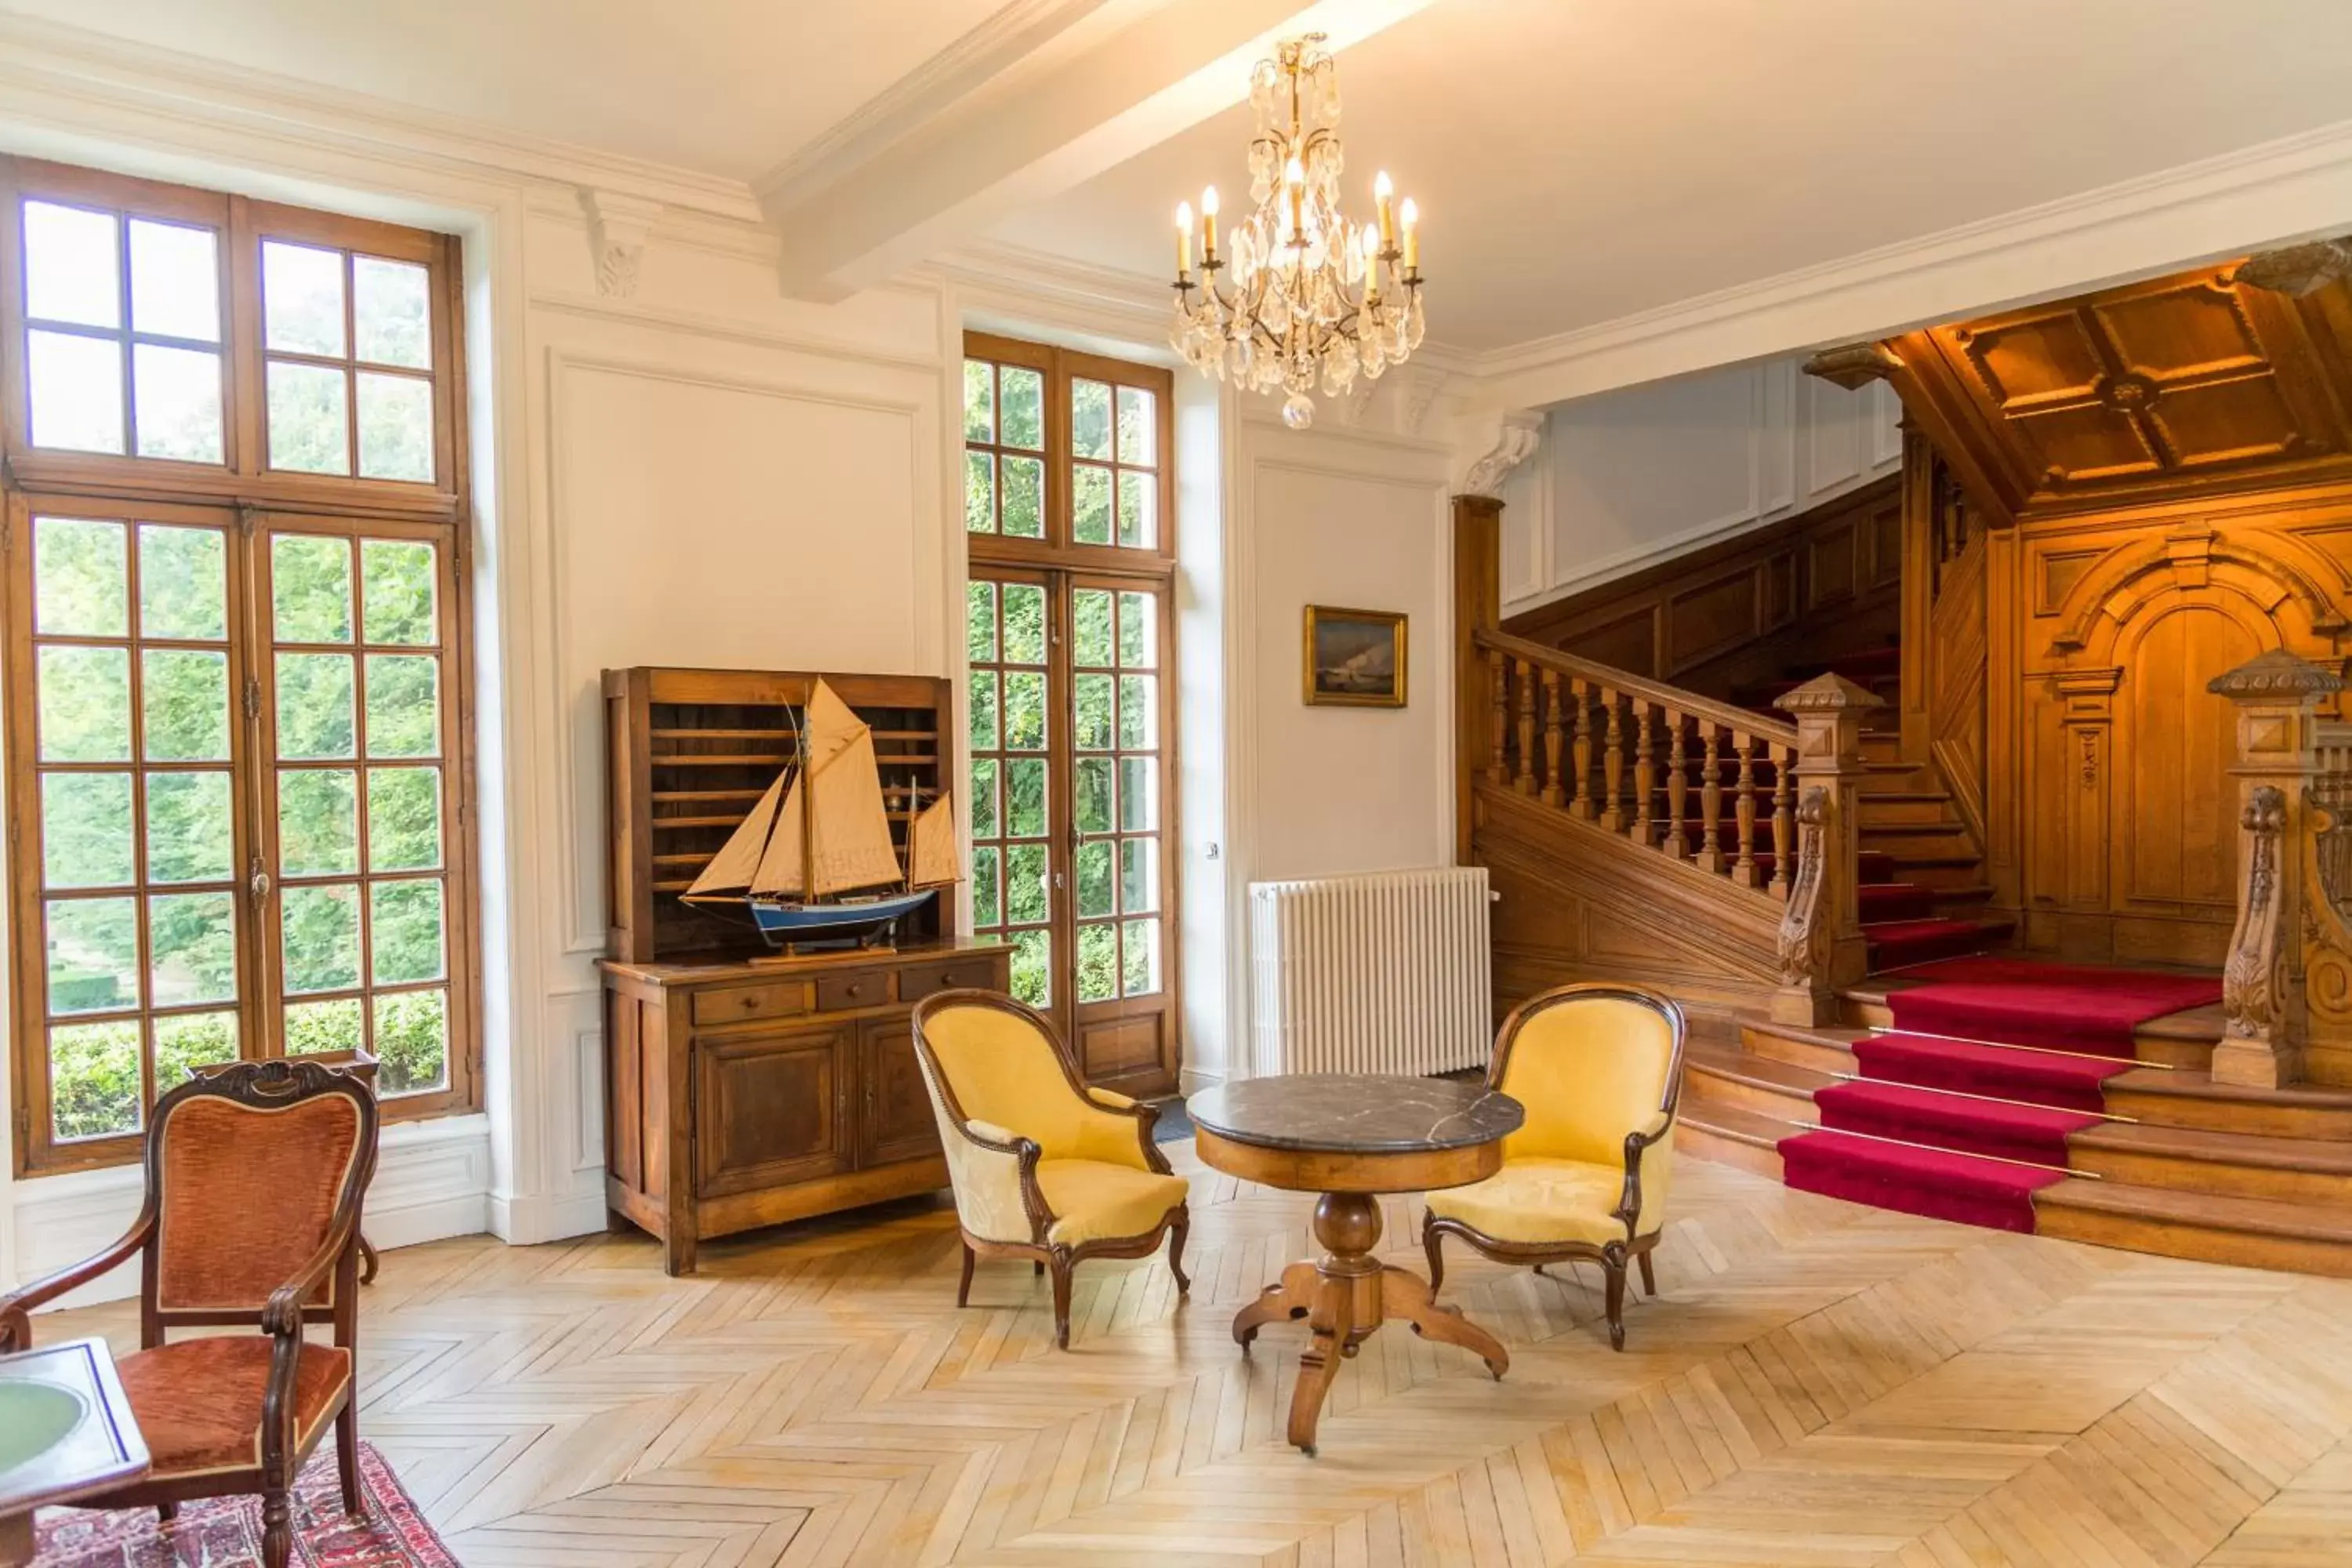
[1816, 1384]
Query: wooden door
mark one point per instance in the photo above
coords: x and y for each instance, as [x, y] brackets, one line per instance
[895, 1121]
[772, 1109]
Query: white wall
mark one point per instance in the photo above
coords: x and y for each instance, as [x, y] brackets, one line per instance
[1627, 478]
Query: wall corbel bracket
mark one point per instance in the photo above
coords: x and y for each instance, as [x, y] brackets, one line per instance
[618, 226]
[1855, 365]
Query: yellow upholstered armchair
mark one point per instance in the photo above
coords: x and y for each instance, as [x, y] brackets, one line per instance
[1598, 1068]
[1043, 1167]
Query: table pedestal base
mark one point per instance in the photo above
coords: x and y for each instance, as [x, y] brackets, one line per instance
[1344, 1296]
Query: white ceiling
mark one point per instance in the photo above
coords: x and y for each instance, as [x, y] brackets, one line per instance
[1577, 160]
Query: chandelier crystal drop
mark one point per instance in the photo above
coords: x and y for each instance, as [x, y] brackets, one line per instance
[1308, 300]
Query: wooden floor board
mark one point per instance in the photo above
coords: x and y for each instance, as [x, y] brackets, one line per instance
[1816, 1384]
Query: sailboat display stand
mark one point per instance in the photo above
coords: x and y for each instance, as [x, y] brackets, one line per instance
[799, 811]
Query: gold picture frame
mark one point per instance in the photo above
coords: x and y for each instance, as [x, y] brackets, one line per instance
[1353, 658]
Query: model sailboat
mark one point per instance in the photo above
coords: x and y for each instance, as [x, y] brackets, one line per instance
[813, 861]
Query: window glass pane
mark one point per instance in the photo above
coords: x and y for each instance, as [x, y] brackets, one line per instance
[1097, 962]
[192, 948]
[94, 1079]
[395, 427]
[189, 833]
[979, 401]
[320, 926]
[1141, 967]
[71, 270]
[1025, 498]
[980, 620]
[404, 705]
[86, 838]
[1138, 793]
[187, 1040]
[313, 1028]
[1089, 504]
[306, 430]
[1092, 728]
[185, 692]
[403, 819]
[1138, 718]
[1139, 500]
[987, 908]
[85, 704]
[183, 581]
[1090, 789]
[314, 705]
[1024, 409]
[1089, 419]
[1025, 883]
[391, 314]
[310, 589]
[174, 280]
[983, 798]
[1090, 617]
[411, 1042]
[77, 391]
[301, 299]
[1024, 789]
[397, 589]
[404, 935]
[93, 955]
[978, 492]
[982, 710]
[80, 587]
[1097, 892]
[1138, 875]
[1024, 624]
[1033, 967]
[1138, 639]
[1024, 713]
[318, 822]
[178, 394]
[1139, 425]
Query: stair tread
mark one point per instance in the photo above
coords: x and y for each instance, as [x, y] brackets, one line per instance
[1739, 1123]
[1728, 1061]
[2188, 1084]
[2172, 1206]
[2317, 1154]
[1870, 795]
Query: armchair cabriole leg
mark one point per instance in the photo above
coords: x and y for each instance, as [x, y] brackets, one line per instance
[1061, 1272]
[277, 1529]
[1178, 1229]
[1612, 1264]
[1429, 1243]
[165, 1513]
[963, 1285]
[347, 1459]
[1037, 1268]
[1649, 1278]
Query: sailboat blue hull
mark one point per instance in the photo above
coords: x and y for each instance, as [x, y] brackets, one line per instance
[782, 923]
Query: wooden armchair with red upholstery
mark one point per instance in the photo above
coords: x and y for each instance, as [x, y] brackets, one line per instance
[255, 1177]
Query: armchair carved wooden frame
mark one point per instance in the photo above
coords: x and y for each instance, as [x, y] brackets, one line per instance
[1612, 1256]
[1049, 1256]
[322, 1288]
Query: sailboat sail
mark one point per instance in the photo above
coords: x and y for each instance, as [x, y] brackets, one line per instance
[732, 870]
[931, 845]
[784, 870]
[849, 831]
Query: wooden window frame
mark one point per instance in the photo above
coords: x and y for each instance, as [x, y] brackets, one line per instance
[1062, 567]
[249, 500]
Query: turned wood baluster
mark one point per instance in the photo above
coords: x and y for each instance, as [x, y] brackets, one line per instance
[1784, 820]
[1553, 738]
[1526, 782]
[1612, 767]
[1498, 671]
[1710, 799]
[1743, 868]
[1677, 787]
[1645, 773]
[1582, 804]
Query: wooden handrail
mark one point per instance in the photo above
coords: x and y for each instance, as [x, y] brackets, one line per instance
[1690, 704]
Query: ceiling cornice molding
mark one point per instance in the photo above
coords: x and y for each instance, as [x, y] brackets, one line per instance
[2276, 191]
[168, 86]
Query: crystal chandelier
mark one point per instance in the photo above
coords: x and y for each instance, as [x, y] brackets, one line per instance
[1311, 298]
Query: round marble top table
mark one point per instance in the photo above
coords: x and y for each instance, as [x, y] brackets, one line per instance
[1351, 1137]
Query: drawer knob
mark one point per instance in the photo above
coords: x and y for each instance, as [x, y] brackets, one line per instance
[851, 990]
[749, 1003]
[947, 981]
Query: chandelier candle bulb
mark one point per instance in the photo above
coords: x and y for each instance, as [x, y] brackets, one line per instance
[1184, 241]
[1411, 235]
[1209, 226]
[1384, 197]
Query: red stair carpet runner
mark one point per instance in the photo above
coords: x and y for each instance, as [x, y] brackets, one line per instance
[1993, 1061]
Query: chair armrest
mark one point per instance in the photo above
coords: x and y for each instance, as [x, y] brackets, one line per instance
[283, 1314]
[1110, 1099]
[15, 1311]
[994, 1175]
[1637, 1143]
[1118, 1130]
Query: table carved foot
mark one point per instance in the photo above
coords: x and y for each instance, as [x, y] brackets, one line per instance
[1292, 1298]
[1404, 1294]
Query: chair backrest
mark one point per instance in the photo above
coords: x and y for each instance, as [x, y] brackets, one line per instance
[998, 1061]
[250, 1168]
[1590, 1063]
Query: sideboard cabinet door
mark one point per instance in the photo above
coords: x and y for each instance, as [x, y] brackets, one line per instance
[771, 1109]
[896, 1120]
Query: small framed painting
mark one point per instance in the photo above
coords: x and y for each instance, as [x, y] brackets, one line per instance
[1355, 659]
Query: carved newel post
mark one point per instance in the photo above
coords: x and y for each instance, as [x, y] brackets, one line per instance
[1821, 945]
[2277, 696]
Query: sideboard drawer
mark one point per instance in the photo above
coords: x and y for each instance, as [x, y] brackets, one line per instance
[741, 1004]
[916, 981]
[866, 988]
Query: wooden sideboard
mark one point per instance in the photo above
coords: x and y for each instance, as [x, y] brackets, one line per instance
[748, 1091]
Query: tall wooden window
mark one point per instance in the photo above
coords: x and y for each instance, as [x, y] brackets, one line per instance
[1068, 496]
[237, 741]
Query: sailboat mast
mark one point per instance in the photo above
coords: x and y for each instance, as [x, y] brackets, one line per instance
[808, 806]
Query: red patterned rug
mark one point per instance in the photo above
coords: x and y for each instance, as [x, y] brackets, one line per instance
[226, 1532]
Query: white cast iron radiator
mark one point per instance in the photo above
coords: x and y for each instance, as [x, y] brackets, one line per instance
[1388, 973]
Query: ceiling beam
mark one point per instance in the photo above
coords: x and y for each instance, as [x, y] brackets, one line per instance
[1059, 91]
